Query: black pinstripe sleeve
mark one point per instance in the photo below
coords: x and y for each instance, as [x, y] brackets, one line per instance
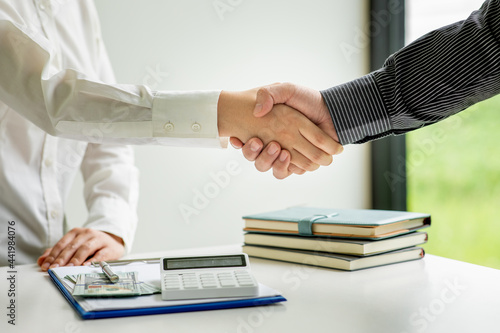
[438, 75]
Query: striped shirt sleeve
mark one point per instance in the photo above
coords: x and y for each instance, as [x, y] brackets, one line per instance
[438, 75]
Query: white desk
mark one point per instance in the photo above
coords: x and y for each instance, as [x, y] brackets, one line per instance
[430, 295]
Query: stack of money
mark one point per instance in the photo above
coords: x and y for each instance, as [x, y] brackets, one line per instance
[99, 285]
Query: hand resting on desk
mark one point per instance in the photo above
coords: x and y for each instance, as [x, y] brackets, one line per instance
[75, 248]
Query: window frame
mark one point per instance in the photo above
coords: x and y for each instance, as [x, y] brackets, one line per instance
[388, 155]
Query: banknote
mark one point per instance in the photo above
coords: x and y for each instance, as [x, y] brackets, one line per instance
[144, 288]
[98, 285]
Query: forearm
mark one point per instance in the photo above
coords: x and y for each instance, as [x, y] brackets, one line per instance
[431, 79]
[75, 103]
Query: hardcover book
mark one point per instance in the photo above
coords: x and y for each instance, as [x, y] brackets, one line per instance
[351, 223]
[332, 260]
[358, 247]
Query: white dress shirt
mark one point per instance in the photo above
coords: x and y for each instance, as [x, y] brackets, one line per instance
[51, 61]
[55, 78]
[36, 174]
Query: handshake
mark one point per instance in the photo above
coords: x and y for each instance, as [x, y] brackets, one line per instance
[292, 122]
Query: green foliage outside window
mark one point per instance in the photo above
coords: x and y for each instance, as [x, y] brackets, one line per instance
[454, 174]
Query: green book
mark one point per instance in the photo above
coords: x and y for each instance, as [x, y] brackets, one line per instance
[333, 260]
[351, 223]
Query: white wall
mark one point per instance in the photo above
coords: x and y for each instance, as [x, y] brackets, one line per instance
[184, 45]
[423, 16]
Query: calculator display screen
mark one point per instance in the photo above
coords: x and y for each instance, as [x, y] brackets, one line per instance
[204, 262]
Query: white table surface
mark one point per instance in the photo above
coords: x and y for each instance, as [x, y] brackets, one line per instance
[429, 295]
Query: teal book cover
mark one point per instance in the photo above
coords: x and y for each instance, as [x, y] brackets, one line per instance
[360, 223]
[364, 217]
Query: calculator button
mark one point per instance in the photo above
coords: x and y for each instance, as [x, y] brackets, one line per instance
[246, 283]
[240, 281]
[225, 275]
[190, 285]
[242, 275]
[171, 286]
[189, 279]
[171, 280]
[207, 275]
[245, 278]
[227, 283]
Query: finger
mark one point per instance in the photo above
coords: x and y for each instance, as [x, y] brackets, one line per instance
[86, 251]
[269, 95]
[252, 149]
[88, 240]
[44, 255]
[304, 162]
[58, 248]
[263, 103]
[326, 146]
[308, 156]
[112, 249]
[66, 257]
[236, 143]
[292, 168]
[102, 254]
[281, 165]
[266, 159]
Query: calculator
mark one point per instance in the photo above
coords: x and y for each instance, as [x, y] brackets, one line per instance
[207, 277]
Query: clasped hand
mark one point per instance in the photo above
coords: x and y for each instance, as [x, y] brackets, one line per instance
[269, 117]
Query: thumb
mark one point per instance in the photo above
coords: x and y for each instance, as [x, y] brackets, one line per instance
[236, 143]
[270, 95]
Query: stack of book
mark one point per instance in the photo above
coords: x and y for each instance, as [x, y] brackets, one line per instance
[347, 239]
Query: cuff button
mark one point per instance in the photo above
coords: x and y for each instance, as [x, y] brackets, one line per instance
[169, 127]
[196, 127]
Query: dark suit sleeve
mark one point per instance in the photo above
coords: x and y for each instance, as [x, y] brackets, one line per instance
[438, 75]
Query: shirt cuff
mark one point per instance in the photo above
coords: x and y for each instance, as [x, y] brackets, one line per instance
[190, 117]
[358, 111]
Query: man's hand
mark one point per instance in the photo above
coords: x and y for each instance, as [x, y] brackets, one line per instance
[271, 157]
[75, 248]
[308, 146]
[306, 100]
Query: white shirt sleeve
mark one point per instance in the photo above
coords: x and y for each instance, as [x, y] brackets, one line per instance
[111, 190]
[67, 103]
[111, 180]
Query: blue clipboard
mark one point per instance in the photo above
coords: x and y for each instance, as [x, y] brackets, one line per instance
[162, 309]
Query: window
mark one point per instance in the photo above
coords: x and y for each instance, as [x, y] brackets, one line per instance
[453, 167]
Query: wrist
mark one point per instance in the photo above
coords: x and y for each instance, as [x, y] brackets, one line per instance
[326, 123]
[223, 114]
[232, 107]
